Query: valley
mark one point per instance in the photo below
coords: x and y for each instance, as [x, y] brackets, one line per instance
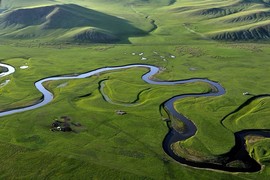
[91, 59]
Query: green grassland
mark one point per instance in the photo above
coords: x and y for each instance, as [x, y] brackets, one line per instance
[130, 146]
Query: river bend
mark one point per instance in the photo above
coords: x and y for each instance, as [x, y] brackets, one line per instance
[238, 152]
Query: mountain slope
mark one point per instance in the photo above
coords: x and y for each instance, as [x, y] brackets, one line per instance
[24, 3]
[256, 31]
[42, 22]
[228, 20]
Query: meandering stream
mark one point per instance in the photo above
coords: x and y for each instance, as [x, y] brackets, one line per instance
[9, 70]
[237, 154]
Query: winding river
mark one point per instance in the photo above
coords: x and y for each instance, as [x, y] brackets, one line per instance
[237, 154]
[8, 70]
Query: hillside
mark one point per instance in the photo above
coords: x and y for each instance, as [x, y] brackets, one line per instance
[240, 20]
[21, 3]
[68, 22]
[119, 21]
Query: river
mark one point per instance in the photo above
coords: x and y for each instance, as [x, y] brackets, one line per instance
[237, 154]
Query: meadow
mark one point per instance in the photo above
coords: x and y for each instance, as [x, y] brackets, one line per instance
[107, 145]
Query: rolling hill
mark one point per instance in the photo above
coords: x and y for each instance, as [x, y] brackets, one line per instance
[22, 3]
[240, 20]
[66, 22]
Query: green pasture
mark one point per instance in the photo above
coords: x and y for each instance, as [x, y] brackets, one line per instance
[111, 146]
[116, 143]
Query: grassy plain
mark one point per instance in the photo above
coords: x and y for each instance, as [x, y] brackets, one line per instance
[129, 146]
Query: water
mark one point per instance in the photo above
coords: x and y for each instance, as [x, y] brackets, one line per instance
[238, 152]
